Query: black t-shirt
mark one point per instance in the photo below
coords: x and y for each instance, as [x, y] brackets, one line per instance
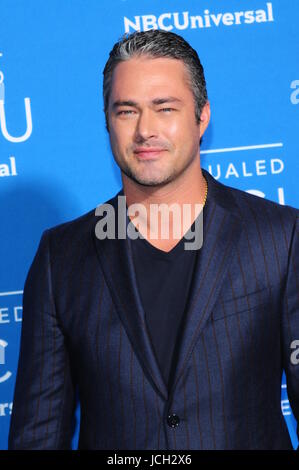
[164, 280]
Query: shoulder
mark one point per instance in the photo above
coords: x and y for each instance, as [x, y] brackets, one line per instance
[251, 206]
[259, 216]
[75, 232]
[263, 206]
[74, 228]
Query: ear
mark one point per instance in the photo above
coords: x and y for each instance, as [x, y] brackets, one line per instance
[204, 118]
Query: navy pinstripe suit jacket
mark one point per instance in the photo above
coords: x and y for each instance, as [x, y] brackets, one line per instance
[84, 328]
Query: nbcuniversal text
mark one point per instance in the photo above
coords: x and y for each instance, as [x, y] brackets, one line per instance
[207, 19]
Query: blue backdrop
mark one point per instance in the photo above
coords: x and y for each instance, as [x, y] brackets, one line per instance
[55, 161]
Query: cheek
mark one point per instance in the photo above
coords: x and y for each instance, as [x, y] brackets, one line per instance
[123, 131]
[173, 132]
[115, 145]
[173, 128]
[182, 134]
[118, 138]
[181, 126]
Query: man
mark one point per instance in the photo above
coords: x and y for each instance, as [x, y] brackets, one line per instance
[168, 347]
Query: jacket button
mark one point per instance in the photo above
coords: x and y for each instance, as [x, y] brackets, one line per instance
[173, 420]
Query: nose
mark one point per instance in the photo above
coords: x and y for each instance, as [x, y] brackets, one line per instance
[146, 126]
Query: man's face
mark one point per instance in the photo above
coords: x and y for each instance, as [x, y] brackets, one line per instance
[154, 135]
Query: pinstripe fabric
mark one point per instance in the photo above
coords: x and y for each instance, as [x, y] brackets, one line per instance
[84, 330]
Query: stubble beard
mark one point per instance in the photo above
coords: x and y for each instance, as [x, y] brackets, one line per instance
[158, 181]
[147, 181]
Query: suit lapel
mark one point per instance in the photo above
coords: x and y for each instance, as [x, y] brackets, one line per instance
[221, 231]
[116, 260]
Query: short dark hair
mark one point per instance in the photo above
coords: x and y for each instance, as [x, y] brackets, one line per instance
[157, 43]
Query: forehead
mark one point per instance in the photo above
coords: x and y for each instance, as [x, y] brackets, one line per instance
[145, 77]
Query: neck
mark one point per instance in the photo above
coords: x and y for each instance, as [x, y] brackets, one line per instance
[189, 188]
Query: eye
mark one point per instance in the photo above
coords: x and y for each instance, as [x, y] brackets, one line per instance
[166, 110]
[125, 112]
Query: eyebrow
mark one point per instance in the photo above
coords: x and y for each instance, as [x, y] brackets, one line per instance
[156, 101]
[167, 99]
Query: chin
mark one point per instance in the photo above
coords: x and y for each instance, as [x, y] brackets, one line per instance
[148, 178]
[153, 181]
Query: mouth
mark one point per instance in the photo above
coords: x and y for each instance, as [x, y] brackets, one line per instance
[148, 153]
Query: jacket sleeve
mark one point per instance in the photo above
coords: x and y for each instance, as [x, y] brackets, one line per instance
[44, 395]
[290, 324]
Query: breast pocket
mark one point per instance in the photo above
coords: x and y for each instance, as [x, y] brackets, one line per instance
[240, 304]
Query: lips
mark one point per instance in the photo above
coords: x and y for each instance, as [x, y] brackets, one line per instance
[148, 153]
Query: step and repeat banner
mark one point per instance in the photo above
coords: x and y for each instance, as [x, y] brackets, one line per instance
[55, 160]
